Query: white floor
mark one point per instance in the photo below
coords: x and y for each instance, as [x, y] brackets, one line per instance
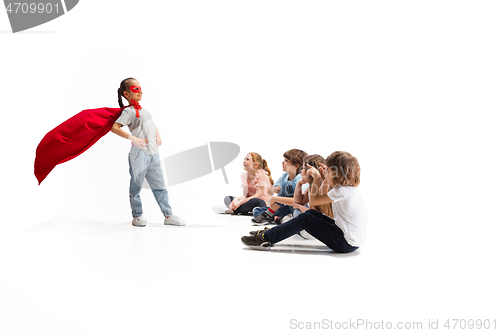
[76, 275]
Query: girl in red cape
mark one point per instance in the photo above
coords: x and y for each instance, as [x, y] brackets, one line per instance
[144, 160]
[79, 133]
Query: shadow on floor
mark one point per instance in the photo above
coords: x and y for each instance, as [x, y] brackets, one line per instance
[77, 225]
[308, 249]
[90, 227]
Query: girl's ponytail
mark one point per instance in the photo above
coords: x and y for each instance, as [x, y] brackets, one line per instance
[262, 165]
[266, 169]
[120, 99]
[124, 85]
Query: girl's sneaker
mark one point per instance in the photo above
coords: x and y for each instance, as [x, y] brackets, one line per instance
[221, 209]
[174, 220]
[139, 221]
[263, 219]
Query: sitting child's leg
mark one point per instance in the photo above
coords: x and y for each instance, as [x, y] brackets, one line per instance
[315, 223]
[259, 210]
[296, 212]
[284, 210]
[276, 208]
[228, 199]
[248, 206]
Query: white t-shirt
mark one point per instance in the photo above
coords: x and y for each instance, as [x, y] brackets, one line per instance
[350, 213]
[141, 127]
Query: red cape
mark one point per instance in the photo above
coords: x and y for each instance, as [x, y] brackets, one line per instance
[72, 137]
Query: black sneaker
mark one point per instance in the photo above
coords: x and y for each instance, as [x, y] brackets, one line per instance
[257, 241]
[253, 233]
[263, 219]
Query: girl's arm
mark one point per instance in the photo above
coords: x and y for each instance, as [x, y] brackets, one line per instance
[302, 208]
[315, 196]
[325, 188]
[305, 197]
[241, 200]
[117, 129]
[274, 190]
[300, 197]
[141, 143]
[297, 195]
[236, 202]
[158, 137]
[283, 200]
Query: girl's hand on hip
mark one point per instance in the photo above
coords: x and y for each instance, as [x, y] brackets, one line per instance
[141, 143]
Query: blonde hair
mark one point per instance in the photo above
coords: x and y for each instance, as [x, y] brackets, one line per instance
[345, 168]
[262, 165]
[314, 160]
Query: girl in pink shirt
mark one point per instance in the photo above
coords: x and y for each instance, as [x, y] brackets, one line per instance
[256, 181]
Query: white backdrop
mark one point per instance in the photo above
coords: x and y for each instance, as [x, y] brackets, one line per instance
[409, 88]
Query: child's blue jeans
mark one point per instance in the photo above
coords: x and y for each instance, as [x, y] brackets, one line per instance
[287, 190]
[318, 225]
[143, 166]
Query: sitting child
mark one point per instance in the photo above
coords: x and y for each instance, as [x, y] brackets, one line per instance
[282, 204]
[256, 184]
[344, 234]
[301, 197]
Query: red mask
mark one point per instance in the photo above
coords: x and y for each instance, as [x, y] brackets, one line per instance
[135, 89]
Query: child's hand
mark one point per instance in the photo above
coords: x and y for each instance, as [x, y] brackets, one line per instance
[276, 189]
[322, 169]
[158, 137]
[141, 143]
[235, 204]
[300, 207]
[313, 172]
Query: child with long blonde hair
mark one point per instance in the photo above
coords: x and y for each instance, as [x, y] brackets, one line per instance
[256, 182]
